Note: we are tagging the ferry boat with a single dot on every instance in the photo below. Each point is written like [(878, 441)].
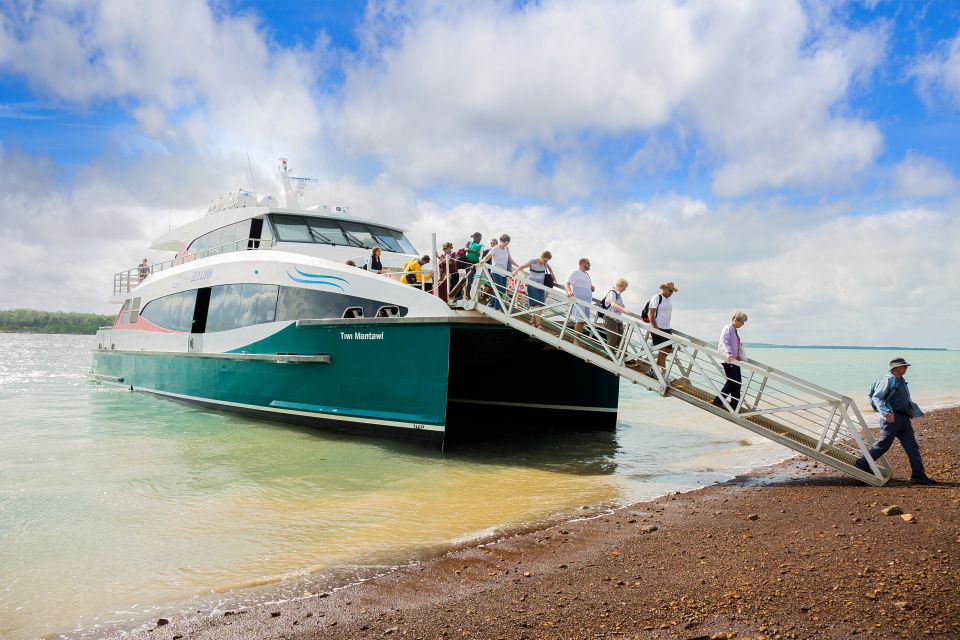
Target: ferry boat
[(258, 312)]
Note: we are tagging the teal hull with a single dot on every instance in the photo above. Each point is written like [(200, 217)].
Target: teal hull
[(395, 382)]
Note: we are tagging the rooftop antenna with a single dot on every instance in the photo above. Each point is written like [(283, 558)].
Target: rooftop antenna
[(293, 186), (250, 166)]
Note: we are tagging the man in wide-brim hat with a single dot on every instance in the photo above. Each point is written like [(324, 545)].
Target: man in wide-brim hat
[(891, 397)]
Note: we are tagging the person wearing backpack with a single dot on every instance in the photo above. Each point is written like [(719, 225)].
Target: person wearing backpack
[(658, 313), (612, 323), (448, 276), (890, 396), (470, 257), (413, 273)]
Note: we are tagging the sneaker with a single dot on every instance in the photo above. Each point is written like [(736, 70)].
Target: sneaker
[(717, 403), (922, 480), (862, 465)]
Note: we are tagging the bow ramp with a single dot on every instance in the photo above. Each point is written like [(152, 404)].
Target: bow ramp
[(797, 413)]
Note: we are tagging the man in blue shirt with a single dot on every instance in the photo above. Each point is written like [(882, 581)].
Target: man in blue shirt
[(891, 397)]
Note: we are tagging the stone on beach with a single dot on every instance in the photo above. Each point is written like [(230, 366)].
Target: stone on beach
[(892, 510)]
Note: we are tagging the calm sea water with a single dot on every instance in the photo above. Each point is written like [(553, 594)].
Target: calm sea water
[(119, 507)]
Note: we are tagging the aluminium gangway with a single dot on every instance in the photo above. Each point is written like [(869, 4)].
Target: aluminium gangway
[(797, 413)]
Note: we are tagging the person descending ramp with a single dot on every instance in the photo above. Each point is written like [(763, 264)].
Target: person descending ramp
[(797, 413)]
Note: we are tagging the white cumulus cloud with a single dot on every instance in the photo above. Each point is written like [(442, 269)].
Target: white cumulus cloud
[(187, 74), (483, 93), (938, 74), (922, 176)]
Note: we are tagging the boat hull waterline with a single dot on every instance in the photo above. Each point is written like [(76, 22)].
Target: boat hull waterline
[(395, 378)]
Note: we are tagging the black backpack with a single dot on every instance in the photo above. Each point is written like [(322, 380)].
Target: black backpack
[(603, 303), (645, 314)]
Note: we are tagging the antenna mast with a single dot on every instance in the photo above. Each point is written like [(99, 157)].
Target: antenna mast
[(250, 166)]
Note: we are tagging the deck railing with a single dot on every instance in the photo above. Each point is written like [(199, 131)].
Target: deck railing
[(125, 281)]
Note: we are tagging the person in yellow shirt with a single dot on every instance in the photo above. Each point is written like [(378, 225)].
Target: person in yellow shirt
[(413, 273)]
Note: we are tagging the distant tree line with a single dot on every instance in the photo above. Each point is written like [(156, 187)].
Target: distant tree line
[(32, 321)]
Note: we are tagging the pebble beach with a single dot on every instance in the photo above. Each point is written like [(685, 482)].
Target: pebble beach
[(796, 550)]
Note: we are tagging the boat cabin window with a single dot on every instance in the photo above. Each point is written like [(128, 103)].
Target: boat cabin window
[(174, 312), (241, 305), (134, 310), (291, 228), (233, 306), (230, 235), (265, 233), (328, 232), (359, 234), (347, 233), (392, 240)]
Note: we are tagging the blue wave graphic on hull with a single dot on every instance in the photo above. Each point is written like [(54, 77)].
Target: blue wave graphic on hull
[(318, 278)]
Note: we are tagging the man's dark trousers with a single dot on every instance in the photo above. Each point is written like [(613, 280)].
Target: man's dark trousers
[(901, 429)]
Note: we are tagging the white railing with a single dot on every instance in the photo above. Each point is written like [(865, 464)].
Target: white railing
[(125, 281), (429, 280), (793, 411)]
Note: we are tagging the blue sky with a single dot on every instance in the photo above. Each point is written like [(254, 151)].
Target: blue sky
[(764, 141)]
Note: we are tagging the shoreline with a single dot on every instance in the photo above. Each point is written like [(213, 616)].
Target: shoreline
[(789, 550)]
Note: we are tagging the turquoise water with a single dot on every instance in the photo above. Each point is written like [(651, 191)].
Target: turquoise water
[(118, 507)]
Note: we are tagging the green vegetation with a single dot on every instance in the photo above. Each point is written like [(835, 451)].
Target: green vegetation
[(32, 321)]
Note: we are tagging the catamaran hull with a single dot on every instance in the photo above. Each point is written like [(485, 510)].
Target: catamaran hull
[(417, 380)]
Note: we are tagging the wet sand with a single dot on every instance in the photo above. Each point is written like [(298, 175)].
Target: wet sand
[(792, 551)]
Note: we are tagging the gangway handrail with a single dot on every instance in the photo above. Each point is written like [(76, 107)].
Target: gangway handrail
[(801, 414), (768, 368)]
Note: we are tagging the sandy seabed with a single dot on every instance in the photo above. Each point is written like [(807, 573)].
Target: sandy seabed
[(796, 550)]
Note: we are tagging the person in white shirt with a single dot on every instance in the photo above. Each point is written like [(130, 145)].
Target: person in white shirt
[(580, 286), (499, 256), (661, 310)]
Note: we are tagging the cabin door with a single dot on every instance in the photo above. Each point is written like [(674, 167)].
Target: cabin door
[(199, 326)]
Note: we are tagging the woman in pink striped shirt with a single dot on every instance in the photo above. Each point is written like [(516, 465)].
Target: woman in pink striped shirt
[(731, 349)]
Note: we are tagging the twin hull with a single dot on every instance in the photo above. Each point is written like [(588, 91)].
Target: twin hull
[(411, 377)]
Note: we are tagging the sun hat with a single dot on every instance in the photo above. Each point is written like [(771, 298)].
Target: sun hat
[(670, 286), (898, 362)]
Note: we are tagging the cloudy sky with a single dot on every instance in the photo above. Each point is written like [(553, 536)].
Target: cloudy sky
[(798, 160)]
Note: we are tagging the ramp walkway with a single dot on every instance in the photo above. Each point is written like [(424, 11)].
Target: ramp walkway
[(799, 414)]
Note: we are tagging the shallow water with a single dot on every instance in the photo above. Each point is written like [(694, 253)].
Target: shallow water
[(116, 506)]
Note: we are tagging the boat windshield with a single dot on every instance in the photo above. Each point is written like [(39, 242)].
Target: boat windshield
[(292, 228)]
